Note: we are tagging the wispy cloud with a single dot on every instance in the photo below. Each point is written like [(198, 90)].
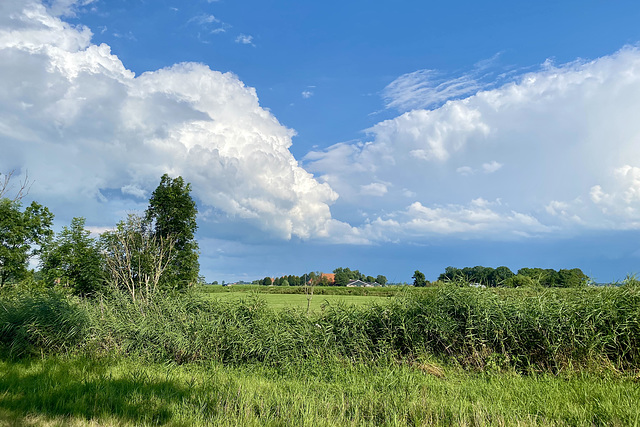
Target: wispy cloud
[(203, 19), (245, 39), (429, 88), (306, 94), (67, 7), (127, 36), (207, 22)]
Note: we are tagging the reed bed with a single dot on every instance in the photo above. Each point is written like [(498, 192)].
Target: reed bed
[(547, 330)]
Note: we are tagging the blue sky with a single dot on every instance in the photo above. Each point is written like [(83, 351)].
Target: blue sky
[(385, 137)]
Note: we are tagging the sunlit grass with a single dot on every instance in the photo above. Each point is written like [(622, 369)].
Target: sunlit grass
[(299, 301), (68, 391)]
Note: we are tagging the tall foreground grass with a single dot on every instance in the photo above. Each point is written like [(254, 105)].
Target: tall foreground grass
[(546, 330)]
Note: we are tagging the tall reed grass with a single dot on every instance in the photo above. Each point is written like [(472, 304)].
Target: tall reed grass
[(546, 330), (38, 320)]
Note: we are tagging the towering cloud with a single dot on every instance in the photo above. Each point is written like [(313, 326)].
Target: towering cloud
[(91, 133)]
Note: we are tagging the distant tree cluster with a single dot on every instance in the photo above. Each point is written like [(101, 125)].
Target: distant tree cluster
[(340, 277), (503, 276), (290, 280), (345, 275), (23, 233)]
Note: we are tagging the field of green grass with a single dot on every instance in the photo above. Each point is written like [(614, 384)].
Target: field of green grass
[(62, 391), (297, 301), (444, 356)]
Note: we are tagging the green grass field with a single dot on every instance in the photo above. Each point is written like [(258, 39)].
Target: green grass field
[(299, 301), (58, 391)]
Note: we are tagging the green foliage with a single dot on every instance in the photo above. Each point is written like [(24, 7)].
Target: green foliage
[(172, 214), (631, 280), (20, 231), (73, 259), (266, 281), (419, 279), (382, 280), (519, 280), (503, 276), (343, 275), (556, 279), (341, 278)]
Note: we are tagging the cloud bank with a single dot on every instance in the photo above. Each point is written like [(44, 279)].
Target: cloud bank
[(555, 153), (96, 138)]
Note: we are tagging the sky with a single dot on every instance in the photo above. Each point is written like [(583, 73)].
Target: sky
[(386, 137)]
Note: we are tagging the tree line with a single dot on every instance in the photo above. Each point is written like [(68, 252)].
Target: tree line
[(143, 254), (341, 276), (504, 277)]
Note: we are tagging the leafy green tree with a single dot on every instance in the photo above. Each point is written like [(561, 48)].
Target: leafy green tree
[(267, 281), (382, 280), (419, 279), (21, 235), (172, 214), (499, 276), (294, 280), (74, 259), (341, 278), (450, 274)]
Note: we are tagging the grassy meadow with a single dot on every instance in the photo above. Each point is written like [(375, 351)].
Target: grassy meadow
[(444, 356), (295, 301)]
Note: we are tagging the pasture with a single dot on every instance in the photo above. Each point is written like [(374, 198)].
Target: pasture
[(296, 301)]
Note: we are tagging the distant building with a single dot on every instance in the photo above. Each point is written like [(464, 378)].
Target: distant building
[(359, 284), (329, 277)]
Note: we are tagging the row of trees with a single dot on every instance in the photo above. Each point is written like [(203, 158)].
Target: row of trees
[(503, 276), (341, 277), (142, 254)]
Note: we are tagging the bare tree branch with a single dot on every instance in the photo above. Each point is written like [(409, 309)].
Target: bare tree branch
[(5, 185), (136, 258)]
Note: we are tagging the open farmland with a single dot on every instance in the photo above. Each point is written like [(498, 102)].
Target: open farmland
[(294, 300)]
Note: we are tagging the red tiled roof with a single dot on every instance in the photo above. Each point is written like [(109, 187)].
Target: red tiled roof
[(331, 277)]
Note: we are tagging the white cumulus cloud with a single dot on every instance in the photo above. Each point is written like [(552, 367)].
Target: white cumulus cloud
[(96, 138), (559, 147)]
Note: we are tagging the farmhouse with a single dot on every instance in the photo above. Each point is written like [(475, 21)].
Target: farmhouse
[(359, 284), (331, 277)]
